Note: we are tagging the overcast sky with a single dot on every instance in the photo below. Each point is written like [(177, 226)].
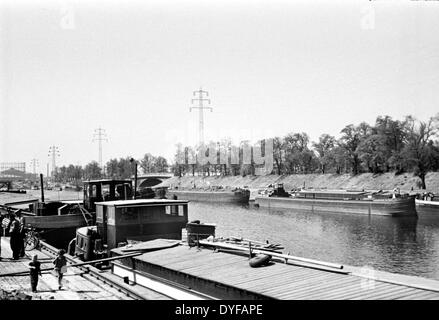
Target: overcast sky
[(270, 67)]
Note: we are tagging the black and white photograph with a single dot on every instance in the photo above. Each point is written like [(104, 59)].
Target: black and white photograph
[(230, 151)]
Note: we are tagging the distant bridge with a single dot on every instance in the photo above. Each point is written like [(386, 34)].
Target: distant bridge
[(151, 179)]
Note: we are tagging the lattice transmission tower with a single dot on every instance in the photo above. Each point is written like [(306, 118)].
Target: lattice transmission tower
[(201, 99), (99, 136), (53, 153)]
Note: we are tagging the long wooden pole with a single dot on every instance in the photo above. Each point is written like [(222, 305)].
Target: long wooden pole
[(42, 187), (274, 254), (265, 244), (248, 240), (77, 264)]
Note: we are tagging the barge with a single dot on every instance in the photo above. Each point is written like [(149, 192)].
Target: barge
[(427, 203), (209, 272), (342, 201), (428, 206), (240, 196)]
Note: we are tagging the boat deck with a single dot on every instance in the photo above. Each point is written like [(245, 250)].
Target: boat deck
[(229, 276)]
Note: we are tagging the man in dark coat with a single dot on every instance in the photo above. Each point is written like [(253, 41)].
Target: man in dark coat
[(20, 219), (15, 237)]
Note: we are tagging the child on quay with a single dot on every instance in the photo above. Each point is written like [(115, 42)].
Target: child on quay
[(60, 263), (35, 271)]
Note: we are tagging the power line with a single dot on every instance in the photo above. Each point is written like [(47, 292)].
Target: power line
[(201, 99), (100, 136)]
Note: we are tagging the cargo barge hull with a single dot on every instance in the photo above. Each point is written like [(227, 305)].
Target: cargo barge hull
[(211, 196), (383, 207)]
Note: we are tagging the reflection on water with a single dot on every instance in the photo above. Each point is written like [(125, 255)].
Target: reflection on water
[(402, 245)]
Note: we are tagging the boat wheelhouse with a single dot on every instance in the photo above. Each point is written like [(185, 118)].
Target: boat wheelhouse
[(106, 190)]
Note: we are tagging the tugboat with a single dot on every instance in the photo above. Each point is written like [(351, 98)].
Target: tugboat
[(56, 221), (122, 222)]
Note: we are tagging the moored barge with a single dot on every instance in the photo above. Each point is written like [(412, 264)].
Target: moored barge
[(235, 196), (207, 272), (428, 206), (342, 201)]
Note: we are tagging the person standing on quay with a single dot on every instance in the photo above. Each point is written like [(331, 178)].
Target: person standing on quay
[(35, 271), (5, 224), (3, 218), (22, 232), (15, 236), (60, 263)]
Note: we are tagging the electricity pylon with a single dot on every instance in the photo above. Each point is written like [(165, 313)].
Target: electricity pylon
[(53, 152), (201, 99), (100, 136)]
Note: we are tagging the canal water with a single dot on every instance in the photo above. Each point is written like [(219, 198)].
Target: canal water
[(402, 245)]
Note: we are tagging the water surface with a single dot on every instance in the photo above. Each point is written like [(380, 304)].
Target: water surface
[(402, 245)]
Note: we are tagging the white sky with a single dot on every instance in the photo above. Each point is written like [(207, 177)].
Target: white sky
[(68, 67)]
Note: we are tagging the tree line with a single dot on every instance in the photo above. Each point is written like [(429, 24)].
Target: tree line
[(122, 168), (388, 145)]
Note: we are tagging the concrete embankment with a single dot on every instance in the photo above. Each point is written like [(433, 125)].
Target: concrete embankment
[(385, 181)]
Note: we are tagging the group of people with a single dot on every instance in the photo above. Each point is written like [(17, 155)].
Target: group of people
[(17, 233), (60, 267)]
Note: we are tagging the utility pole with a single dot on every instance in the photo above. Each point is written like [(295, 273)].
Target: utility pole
[(53, 152), (135, 177), (100, 136), (200, 99)]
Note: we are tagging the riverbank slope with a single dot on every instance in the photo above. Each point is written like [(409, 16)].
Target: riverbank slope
[(385, 181)]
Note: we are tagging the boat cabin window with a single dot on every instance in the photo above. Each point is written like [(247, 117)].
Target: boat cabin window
[(121, 191), (111, 216), (105, 192), (176, 210), (80, 241), (93, 191), (99, 214)]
